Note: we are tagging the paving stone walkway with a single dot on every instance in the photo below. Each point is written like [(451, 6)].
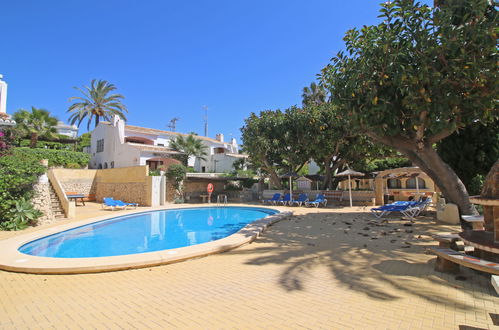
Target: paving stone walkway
[(328, 268)]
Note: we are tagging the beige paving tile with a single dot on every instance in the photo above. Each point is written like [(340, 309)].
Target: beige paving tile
[(302, 273)]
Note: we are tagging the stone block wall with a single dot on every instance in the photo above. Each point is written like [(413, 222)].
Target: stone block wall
[(195, 187), (41, 201), (80, 186), (131, 192), (170, 192), (129, 184), (199, 185)]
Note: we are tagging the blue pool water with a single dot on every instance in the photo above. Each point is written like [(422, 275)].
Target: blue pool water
[(146, 232)]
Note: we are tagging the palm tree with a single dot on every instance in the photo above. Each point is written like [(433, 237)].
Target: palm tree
[(36, 123), (189, 146), (313, 95), (96, 104)]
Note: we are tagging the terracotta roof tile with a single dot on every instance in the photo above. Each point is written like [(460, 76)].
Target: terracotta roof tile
[(161, 132), (147, 147)]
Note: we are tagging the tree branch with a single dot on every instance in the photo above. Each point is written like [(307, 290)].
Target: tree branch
[(440, 135), (397, 141)]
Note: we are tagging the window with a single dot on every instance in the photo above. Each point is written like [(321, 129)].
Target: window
[(105, 165), (100, 166), (411, 183), (203, 169), (100, 145), (394, 184), (112, 164), (154, 164), (139, 140), (219, 150), (160, 145)]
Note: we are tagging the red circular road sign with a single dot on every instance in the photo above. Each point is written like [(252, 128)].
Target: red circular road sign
[(210, 187)]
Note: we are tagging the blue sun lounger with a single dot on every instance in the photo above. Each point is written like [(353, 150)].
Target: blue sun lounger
[(384, 210), (273, 200), (302, 198), (286, 199), (116, 203), (319, 199), (408, 209)]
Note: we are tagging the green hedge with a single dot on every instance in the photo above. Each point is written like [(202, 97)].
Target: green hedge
[(48, 144), (18, 173), (19, 170), (55, 157), (382, 164)]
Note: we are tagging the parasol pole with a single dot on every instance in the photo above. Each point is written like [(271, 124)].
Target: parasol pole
[(417, 184), (350, 190)]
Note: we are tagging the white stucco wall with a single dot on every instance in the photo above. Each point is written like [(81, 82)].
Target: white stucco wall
[(115, 151), (123, 154), (3, 95)]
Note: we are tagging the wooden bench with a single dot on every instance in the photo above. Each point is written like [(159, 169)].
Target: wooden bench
[(445, 240), (86, 198), (475, 220), (449, 260)]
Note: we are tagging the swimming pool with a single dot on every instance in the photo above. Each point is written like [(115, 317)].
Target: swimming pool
[(146, 232)]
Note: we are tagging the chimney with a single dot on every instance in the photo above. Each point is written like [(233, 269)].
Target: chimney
[(219, 137), (3, 95), (120, 124)]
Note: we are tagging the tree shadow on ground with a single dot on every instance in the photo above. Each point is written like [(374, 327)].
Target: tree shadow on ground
[(380, 259)]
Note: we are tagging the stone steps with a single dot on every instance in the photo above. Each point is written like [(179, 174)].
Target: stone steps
[(55, 204)]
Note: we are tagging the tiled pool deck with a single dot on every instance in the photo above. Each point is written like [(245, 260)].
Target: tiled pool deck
[(323, 268)]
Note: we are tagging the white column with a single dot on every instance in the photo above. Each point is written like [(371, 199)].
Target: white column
[(3, 95)]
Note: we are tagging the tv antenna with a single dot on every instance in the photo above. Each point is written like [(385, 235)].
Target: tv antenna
[(173, 124), (205, 108)]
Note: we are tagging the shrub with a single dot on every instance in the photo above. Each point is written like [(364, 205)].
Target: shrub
[(155, 172), (18, 173), (248, 183), (55, 157), (233, 186), (72, 165), (22, 215), (176, 173), (476, 184), (382, 164), (4, 145)]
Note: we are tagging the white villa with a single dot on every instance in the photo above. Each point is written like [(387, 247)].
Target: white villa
[(5, 120), (68, 130), (118, 145)]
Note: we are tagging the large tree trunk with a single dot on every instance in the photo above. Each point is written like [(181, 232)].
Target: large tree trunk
[(275, 182), (426, 158), (328, 171), (444, 177), (34, 140), (274, 178)]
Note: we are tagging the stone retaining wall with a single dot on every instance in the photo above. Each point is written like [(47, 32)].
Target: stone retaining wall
[(80, 186), (129, 184), (41, 201), (131, 192)]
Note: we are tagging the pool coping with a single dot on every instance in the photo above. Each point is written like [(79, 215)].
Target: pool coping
[(13, 260)]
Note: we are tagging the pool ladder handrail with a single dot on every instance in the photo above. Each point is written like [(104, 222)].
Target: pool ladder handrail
[(224, 199)]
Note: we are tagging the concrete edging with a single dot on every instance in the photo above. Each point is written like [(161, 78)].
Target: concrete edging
[(13, 260)]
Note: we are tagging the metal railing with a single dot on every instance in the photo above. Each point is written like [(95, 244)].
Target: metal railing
[(222, 198)]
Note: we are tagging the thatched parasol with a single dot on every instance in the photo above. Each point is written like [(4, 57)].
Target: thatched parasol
[(290, 175), (350, 173)]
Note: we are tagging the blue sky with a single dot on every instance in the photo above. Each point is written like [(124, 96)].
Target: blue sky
[(169, 58)]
